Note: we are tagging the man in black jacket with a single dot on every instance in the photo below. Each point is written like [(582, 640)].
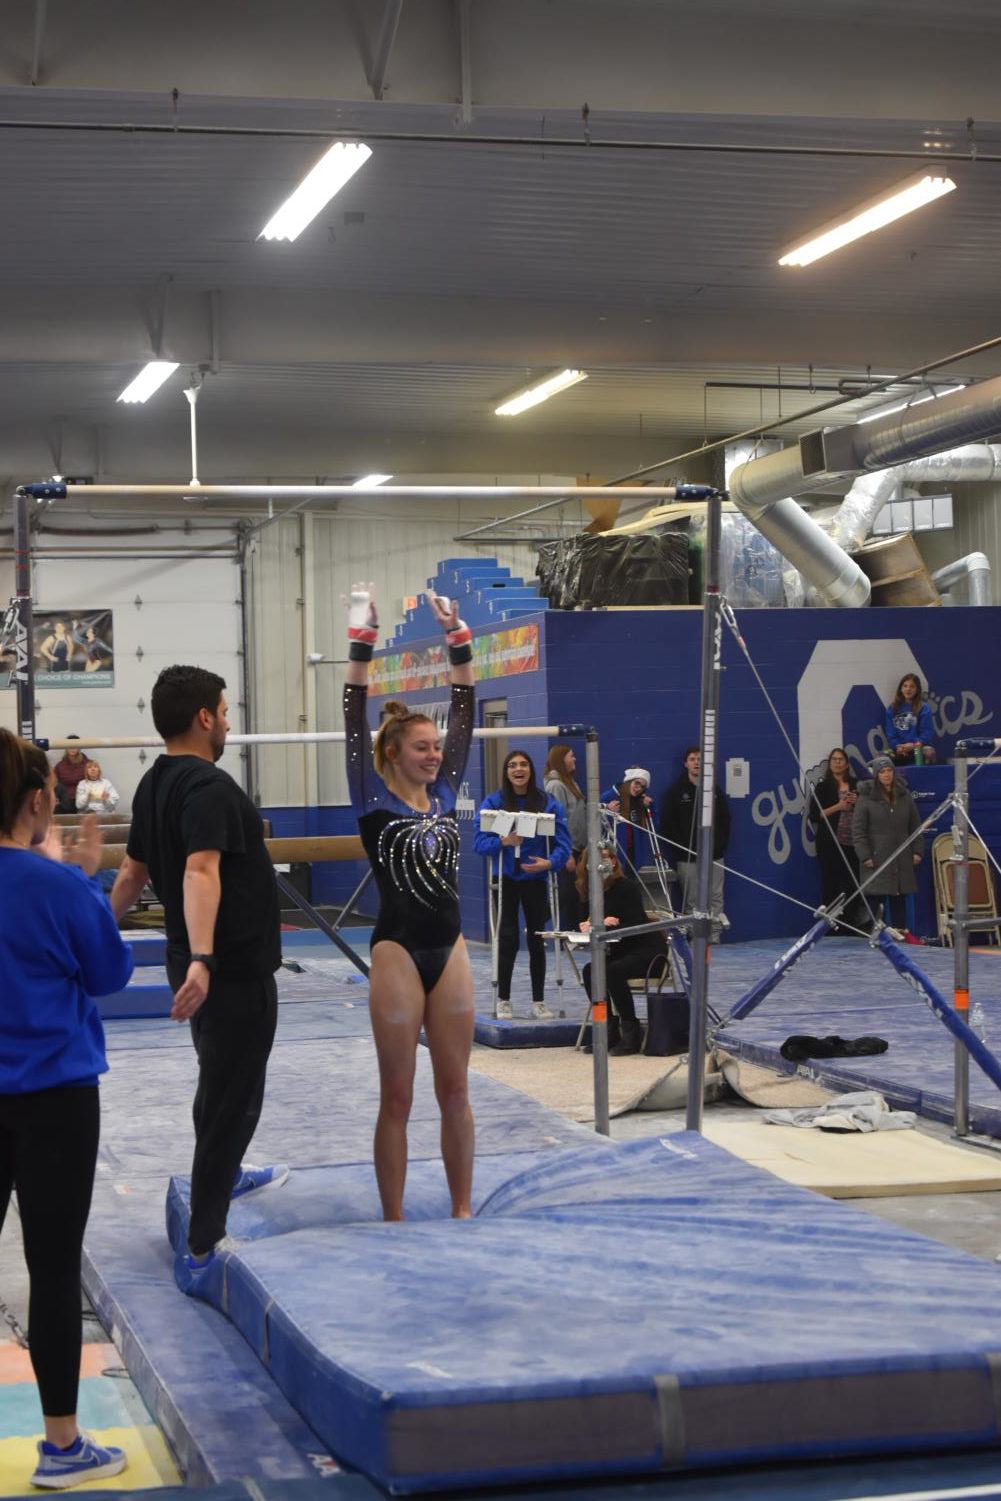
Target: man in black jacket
[(679, 825)]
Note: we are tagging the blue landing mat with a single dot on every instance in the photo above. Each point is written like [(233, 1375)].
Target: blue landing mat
[(844, 988), (658, 1305), (222, 1413), (148, 946)]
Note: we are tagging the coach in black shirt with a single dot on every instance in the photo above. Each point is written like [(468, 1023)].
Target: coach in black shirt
[(199, 839)]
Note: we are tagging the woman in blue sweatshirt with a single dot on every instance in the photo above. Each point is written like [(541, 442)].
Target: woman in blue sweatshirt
[(908, 724), (525, 863), (59, 947)]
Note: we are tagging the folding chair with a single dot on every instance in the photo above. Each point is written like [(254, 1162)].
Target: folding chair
[(982, 898)]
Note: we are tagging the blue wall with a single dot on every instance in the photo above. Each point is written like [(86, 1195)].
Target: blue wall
[(635, 676)]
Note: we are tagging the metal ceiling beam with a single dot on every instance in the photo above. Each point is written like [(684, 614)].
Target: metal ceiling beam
[(465, 62), (384, 47), (41, 9)]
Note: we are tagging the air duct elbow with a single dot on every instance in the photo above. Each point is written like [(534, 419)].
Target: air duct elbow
[(975, 570)]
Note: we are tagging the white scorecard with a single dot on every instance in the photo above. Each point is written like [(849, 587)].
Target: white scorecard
[(529, 825)]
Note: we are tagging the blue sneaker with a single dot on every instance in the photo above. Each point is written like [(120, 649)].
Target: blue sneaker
[(249, 1179), (84, 1460), (190, 1271)]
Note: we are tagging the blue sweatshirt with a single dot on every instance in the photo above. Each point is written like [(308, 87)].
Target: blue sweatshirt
[(559, 845), (904, 726), (59, 947)]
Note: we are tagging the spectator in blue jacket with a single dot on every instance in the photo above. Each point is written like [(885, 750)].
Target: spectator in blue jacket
[(59, 947), (908, 724), (523, 863)]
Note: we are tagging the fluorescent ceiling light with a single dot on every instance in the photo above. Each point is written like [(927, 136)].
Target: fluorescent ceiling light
[(149, 379), (369, 481), (542, 391), (873, 214), (336, 167), (912, 401)]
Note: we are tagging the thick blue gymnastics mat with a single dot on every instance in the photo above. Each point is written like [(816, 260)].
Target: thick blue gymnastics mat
[(656, 1305)]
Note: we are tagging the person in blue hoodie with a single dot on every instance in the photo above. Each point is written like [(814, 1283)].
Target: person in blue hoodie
[(910, 733), (525, 863), (59, 948)]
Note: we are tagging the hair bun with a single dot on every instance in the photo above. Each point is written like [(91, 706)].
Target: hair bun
[(395, 710)]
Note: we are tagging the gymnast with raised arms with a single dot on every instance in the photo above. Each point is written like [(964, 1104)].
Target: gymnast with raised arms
[(403, 789)]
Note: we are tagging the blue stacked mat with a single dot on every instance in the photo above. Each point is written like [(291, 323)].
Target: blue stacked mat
[(656, 1304)]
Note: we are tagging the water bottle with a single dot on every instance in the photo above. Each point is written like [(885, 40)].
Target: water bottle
[(978, 1020), (919, 755)]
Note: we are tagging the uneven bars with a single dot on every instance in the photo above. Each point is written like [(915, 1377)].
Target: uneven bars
[(291, 737), (56, 490)]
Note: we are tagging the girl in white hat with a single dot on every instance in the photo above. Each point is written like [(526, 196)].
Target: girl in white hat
[(630, 800)]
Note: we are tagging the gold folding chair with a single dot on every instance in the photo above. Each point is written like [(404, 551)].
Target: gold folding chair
[(984, 916)]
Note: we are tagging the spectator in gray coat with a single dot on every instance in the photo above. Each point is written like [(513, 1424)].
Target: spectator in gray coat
[(885, 818)]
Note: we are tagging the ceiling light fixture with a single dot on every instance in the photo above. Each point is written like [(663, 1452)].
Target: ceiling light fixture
[(902, 199), (149, 379), (369, 481), (336, 167), (912, 401), (541, 391)]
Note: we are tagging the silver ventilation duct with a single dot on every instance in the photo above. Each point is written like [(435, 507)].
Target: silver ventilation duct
[(763, 488), (975, 568), (853, 520)]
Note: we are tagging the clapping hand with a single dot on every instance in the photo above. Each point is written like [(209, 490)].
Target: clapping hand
[(85, 850)]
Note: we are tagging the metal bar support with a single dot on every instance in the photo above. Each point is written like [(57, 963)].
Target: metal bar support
[(321, 922), (961, 941), (596, 903), (712, 627)]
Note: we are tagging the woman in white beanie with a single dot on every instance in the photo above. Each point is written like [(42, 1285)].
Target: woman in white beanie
[(630, 800)]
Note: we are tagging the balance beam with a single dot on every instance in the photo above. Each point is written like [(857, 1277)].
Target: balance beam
[(308, 848)]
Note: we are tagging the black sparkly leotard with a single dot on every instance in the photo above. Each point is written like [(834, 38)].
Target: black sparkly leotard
[(414, 856)]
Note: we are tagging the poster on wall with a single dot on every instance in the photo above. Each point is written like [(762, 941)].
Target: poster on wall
[(74, 649)]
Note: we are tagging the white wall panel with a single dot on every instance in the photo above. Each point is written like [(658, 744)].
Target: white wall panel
[(165, 610), (277, 655)]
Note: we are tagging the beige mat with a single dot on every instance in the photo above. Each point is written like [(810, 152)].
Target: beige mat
[(764, 1087), (563, 1079), (853, 1165)]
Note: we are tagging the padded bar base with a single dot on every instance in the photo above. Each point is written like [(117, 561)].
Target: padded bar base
[(523, 1032), (658, 1305)]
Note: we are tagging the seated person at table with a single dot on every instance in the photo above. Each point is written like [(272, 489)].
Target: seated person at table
[(628, 958)]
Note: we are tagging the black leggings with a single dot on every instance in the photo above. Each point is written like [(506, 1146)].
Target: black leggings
[(534, 898), (619, 970), (48, 1153)]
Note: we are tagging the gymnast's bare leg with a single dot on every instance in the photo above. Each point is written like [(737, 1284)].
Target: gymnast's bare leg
[(398, 1008)]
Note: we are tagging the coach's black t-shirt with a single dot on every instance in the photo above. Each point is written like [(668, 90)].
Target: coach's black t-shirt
[(183, 805)]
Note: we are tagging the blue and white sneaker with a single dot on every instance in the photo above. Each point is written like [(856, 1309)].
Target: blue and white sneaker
[(58, 1469), (190, 1270), (249, 1179)]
